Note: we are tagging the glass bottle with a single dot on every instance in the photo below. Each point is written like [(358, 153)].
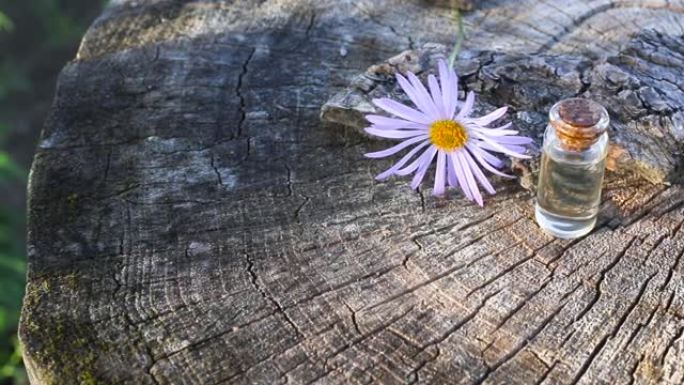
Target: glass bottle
[(572, 167)]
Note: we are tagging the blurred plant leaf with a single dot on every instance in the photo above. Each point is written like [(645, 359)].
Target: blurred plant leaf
[(62, 27), (13, 78), (12, 277), (9, 170), (6, 23), (12, 367)]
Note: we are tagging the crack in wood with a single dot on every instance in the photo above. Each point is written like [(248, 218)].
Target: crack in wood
[(254, 280), (414, 375), (352, 314), (520, 345), (576, 23), (599, 347), (506, 270), (677, 337), (361, 338), (597, 285), (238, 92)]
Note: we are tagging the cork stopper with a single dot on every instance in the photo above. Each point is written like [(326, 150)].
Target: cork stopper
[(579, 123)]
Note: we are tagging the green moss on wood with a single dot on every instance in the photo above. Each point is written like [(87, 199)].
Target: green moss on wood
[(61, 346), (87, 378)]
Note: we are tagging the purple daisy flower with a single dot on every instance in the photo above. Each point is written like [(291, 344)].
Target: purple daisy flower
[(461, 143)]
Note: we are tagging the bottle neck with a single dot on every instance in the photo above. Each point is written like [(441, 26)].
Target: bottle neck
[(574, 138), (555, 148), (579, 123)]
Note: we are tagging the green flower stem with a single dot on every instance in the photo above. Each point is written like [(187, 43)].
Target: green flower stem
[(460, 36)]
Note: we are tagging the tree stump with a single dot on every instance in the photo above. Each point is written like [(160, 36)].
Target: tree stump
[(192, 221)]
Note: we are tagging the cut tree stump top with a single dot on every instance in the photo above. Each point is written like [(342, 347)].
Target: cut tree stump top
[(193, 220)]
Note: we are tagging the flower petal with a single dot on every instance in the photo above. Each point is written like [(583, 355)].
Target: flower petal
[(510, 147), (478, 154), (384, 122), (393, 134), (413, 94), (499, 131), (423, 96), (449, 82), (461, 176), (393, 150), (479, 175), (436, 93), (451, 173), (491, 117), (491, 144), (424, 165), (514, 148), (474, 190), (514, 140), (440, 174), (467, 107), (390, 171), (402, 111), (496, 133), (491, 159), (415, 164)]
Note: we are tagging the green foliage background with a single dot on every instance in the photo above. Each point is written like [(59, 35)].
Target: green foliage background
[(37, 37)]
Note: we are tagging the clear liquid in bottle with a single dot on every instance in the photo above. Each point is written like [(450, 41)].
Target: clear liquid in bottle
[(572, 170), (569, 196)]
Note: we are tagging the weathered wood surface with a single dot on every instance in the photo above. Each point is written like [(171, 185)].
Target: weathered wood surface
[(193, 222), (639, 86)]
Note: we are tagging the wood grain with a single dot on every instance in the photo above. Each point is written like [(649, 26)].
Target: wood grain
[(192, 221)]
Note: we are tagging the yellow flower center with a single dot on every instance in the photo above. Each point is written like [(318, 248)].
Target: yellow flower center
[(448, 135)]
